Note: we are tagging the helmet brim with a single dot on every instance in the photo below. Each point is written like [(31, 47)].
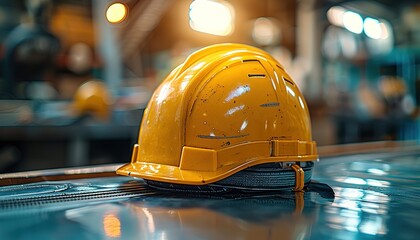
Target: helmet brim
[(174, 174)]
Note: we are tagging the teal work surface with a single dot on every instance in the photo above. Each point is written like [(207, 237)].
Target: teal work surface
[(376, 197)]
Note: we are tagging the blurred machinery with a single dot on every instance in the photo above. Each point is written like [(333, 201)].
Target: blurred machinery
[(30, 52)]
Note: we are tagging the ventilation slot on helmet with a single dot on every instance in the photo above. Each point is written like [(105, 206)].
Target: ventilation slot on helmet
[(256, 75), (250, 60), (287, 80), (280, 67)]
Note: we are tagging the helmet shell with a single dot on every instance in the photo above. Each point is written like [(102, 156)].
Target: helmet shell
[(226, 108)]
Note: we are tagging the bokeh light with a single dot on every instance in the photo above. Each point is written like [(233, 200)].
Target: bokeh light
[(116, 13), (353, 22), (372, 28), (212, 17)]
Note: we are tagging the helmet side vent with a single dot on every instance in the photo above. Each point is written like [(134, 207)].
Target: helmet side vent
[(250, 60), (287, 80), (280, 67), (256, 75)]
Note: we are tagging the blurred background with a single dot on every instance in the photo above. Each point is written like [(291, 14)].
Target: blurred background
[(75, 75)]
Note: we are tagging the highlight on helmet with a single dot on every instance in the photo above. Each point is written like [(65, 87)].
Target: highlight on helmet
[(229, 117)]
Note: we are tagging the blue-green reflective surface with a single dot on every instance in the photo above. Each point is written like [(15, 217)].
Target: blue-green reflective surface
[(376, 197)]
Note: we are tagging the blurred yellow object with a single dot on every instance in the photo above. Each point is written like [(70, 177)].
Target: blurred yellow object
[(92, 97), (226, 108), (392, 86), (116, 13)]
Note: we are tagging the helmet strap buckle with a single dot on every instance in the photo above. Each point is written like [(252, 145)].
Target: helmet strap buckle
[(299, 177)]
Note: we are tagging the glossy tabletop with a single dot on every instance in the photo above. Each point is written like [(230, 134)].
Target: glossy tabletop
[(376, 197)]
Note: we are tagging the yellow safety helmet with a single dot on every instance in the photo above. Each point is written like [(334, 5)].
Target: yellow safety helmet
[(92, 97), (229, 117)]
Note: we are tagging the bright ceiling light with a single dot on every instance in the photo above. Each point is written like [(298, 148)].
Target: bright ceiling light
[(385, 30), (335, 15), (372, 28), (353, 22), (116, 13), (380, 37), (376, 29), (213, 17)]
